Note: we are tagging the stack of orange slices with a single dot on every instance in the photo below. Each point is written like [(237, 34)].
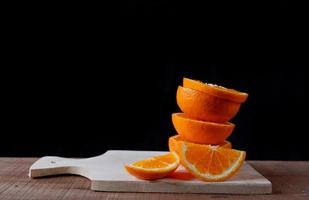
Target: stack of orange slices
[(203, 127)]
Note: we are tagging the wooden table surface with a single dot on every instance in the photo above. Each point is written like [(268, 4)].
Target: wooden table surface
[(290, 180)]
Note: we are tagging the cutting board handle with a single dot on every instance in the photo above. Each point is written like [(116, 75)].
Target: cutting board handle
[(53, 165)]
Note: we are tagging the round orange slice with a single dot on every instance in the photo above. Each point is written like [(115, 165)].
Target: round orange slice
[(155, 167), (215, 90), (201, 132), (211, 163)]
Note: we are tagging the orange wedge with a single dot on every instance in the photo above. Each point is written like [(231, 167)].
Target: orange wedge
[(155, 167), (210, 163)]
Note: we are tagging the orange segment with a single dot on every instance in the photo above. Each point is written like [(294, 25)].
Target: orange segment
[(201, 132), (211, 163), (155, 167), (206, 107), (215, 90)]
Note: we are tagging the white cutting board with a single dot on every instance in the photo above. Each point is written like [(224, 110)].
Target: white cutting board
[(107, 173)]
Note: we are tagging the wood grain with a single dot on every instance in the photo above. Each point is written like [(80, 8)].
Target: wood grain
[(290, 181)]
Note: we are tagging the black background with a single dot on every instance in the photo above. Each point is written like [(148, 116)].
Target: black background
[(83, 113), (86, 79)]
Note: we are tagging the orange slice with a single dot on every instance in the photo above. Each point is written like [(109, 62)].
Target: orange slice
[(211, 163), (155, 167), (201, 132), (215, 90)]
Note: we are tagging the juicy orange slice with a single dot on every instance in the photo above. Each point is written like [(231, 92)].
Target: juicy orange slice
[(155, 167), (211, 163), (215, 90)]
